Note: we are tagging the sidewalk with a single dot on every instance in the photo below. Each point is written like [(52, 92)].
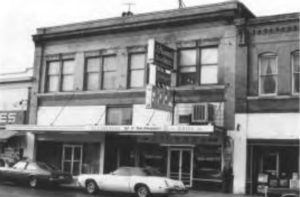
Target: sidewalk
[(194, 193), (191, 193)]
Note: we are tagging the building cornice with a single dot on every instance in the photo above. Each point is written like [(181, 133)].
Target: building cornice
[(222, 11)]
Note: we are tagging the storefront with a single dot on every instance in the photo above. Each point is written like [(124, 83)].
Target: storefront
[(12, 143), (273, 164), (196, 159), (72, 149)]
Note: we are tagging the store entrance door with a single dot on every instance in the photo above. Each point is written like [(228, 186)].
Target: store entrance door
[(72, 159), (180, 165)]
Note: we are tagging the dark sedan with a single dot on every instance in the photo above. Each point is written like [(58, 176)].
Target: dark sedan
[(34, 174)]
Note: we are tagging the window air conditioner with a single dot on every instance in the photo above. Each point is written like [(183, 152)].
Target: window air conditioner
[(203, 113)]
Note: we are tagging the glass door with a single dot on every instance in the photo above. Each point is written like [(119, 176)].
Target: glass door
[(72, 159), (180, 165)]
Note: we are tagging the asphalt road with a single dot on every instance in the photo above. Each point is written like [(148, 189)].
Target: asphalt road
[(9, 190)]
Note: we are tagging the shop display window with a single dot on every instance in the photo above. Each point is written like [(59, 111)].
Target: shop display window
[(279, 165), (207, 162), (154, 156)]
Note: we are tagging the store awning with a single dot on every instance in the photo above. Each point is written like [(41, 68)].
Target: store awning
[(6, 134), (172, 129)]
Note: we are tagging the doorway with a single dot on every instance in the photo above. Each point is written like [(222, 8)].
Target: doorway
[(180, 165), (72, 159)]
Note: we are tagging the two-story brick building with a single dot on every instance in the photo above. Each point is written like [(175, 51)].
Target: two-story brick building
[(89, 111), (267, 106)]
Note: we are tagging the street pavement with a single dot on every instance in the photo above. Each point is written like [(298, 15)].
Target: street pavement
[(9, 190)]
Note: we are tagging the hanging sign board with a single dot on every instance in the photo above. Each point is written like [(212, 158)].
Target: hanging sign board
[(160, 55), (159, 98)]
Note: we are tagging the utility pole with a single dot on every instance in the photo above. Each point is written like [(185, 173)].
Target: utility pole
[(181, 4)]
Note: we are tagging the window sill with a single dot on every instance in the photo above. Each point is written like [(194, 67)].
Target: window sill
[(90, 92), (201, 87), (277, 97)]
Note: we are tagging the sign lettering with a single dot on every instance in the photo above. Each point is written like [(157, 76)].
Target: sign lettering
[(11, 117), (160, 55)]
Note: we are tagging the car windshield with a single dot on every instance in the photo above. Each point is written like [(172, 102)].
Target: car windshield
[(46, 166), (151, 171)]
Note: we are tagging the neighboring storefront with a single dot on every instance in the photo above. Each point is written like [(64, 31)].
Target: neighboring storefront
[(272, 163), (14, 98)]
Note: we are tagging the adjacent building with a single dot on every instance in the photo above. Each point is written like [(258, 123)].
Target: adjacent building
[(15, 91), (267, 108), (191, 92)]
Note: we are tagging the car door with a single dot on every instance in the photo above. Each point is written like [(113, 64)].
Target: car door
[(117, 181), (17, 173)]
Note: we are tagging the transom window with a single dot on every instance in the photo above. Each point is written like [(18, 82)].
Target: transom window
[(296, 72), (101, 73), (60, 75), (119, 116), (198, 66), (268, 74), (137, 62)]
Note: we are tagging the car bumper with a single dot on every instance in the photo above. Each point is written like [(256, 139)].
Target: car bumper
[(61, 180), (177, 190)]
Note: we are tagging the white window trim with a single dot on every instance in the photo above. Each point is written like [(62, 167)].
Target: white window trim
[(293, 73), (259, 75)]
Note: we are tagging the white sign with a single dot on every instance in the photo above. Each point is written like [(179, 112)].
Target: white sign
[(115, 128)]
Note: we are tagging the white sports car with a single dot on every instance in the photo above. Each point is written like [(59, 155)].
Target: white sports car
[(142, 181)]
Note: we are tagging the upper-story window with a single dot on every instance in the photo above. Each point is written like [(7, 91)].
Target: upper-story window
[(119, 116), (198, 66), (268, 74), (296, 72), (136, 74), (60, 75), (101, 73), (109, 72)]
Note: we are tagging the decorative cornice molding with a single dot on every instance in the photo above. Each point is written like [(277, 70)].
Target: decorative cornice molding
[(276, 29)]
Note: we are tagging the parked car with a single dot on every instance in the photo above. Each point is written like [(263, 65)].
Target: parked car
[(34, 174), (4, 163), (142, 181)]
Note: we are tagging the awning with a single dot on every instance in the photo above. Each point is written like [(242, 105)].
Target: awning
[(129, 129), (6, 134)]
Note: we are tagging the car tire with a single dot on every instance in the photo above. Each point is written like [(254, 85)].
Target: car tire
[(91, 187), (33, 182), (142, 191)]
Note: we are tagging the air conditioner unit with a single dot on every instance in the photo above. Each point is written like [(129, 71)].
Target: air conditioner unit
[(203, 113)]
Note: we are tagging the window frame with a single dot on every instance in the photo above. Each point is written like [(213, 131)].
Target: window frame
[(60, 59), (117, 107), (86, 73), (198, 64), (129, 69), (272, 54), (293, 72), (101, 70)]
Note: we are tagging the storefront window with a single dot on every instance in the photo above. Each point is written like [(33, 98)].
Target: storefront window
[(207, 162), (91, 157), (275, 167), (154, 156)]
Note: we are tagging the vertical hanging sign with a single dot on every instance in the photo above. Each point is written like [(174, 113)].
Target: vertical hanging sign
[(160, 60)]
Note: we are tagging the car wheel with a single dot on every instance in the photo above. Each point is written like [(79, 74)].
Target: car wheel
[(33, 182), (91, 187), (142, 191)]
